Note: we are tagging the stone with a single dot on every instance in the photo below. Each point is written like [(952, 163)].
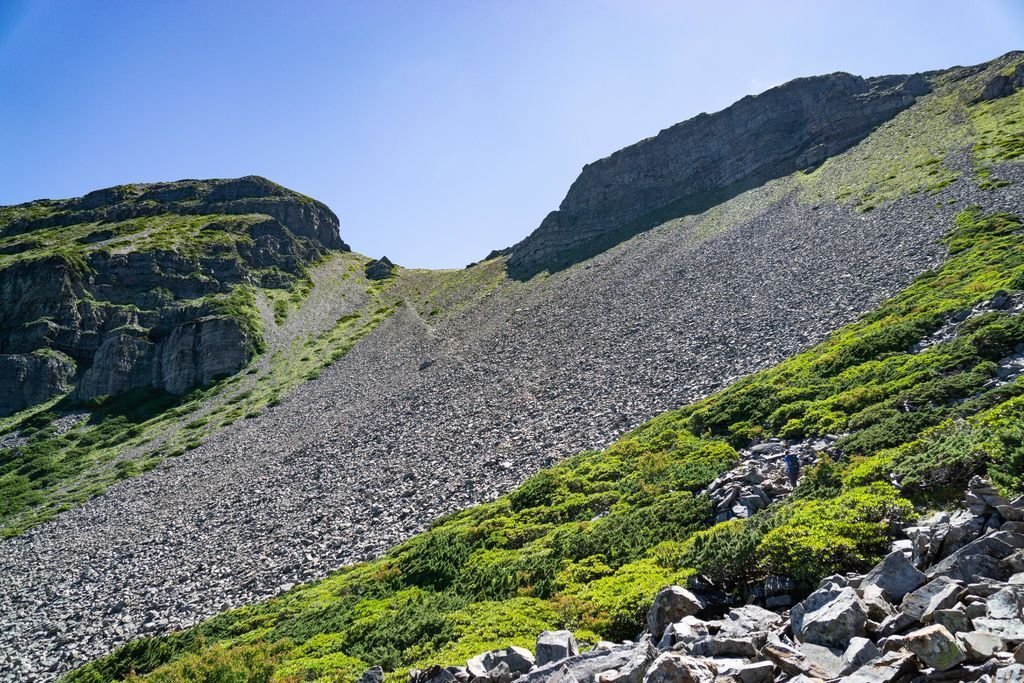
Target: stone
[(374, 674), (604, 659), (1010, 630), (685, 631), (379, 269), (824, 659), (939, 593), (953, 620), (554, 646), (979, 646), (634, 669), (896, 576), (746, 620), (836, 622), (820, 597), (755, 672), (936, 647), (789, 659), (859, 652), (1014, 673), (717, 646), (876, 605), (673, 667), (519, 660), (890, 667), (670, 606)]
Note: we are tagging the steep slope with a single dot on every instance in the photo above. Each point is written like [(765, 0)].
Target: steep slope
[(474, 382)]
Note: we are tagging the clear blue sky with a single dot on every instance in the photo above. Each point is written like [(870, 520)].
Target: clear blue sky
[(436, 130)]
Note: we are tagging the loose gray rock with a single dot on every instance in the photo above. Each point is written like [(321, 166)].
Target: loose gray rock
[(670, 606), (554, 646)]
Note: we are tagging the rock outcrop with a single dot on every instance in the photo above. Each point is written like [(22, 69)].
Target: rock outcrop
[(134, 286), (695, 164)]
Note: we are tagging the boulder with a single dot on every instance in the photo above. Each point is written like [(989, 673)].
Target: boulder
[(892, 666), (554, 646), (876, 605), (954, 620), (836, 622), (746, 620), (673, 667), (938, 593), (979, 646), (936, 647), (685, 631), (374, 674), (519, 660), (379, 269), (896, 576), (635, 667), (857, 654), (585, 667), (755, 672), (1014, 673), (670, 606), (790, 660)]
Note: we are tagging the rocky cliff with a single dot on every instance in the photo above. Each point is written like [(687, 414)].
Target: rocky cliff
[(698, 163), (142, 286)]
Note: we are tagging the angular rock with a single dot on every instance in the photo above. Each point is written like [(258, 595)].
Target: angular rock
[(635, 667), (954, 620), (896, 576), (379, 269), (755, 672), (936, 647), (670, 606), (672, 667), (980, 646), (685, 631), (857, 654), (554, 646), (938, 593), (789, 659), (374, 674), (888, 668), (836, 622)]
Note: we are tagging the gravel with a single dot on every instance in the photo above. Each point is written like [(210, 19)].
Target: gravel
[(384, 442)]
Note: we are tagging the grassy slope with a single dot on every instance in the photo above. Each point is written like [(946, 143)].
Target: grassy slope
[(587, 543)]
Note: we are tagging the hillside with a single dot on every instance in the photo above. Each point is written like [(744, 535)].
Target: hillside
[(374, 407)]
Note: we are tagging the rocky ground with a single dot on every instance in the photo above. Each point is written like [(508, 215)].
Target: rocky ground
[(427, 416), (945, 605)]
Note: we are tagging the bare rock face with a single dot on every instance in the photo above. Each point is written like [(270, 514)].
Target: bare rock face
[(125, 288), (697, 163), (31, 378)]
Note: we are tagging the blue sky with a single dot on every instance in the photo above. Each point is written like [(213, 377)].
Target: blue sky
[(436, 130)]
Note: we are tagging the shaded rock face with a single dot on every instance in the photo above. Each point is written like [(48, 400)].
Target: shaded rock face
[(108, 316), (697, 163), (32, 378), (379, 269)]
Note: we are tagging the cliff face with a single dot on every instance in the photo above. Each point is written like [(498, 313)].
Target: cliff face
[(697, 163), (146, 285)]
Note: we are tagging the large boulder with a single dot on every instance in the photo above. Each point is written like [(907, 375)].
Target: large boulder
[(836, 622), (674, 667), (859, 652), (671, 605), (936, 647), (554, 646), (379, 269), (896, 576)]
